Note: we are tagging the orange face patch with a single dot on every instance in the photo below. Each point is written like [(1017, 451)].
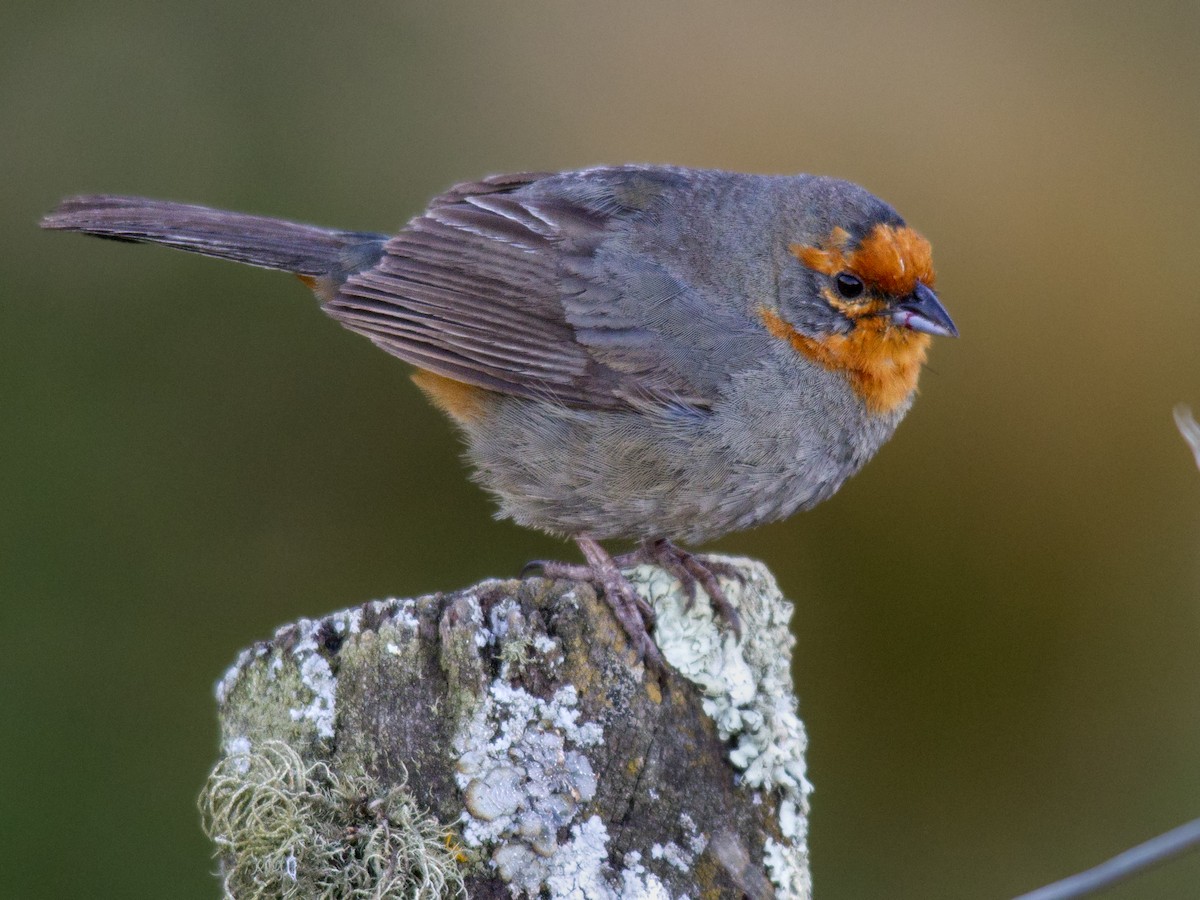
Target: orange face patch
[(881, 361), (889, 260)]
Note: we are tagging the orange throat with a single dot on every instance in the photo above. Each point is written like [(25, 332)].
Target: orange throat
[(881, 361)]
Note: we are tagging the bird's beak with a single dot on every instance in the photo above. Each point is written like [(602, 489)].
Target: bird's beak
[(923, 311)]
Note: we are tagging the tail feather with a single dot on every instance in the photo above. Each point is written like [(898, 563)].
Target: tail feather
[(255, 240)]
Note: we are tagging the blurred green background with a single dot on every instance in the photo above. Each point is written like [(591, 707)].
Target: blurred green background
[(998, 621)]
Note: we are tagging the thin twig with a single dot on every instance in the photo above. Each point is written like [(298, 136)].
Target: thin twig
[(1155, 850), (1121, 866), (1189, 428)]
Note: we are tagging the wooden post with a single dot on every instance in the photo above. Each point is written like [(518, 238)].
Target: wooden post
[(504, 740)]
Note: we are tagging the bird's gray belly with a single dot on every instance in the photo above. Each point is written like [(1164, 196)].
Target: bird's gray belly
[(682, 474)]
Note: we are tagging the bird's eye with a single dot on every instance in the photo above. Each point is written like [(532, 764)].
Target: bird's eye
[(849, 286)]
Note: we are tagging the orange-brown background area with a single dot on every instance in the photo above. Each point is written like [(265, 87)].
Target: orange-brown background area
[(998, 621)]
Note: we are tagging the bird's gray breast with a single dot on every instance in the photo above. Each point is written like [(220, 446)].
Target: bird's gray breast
[(784, 435)]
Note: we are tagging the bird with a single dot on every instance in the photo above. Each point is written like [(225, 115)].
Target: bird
[(648, 353)]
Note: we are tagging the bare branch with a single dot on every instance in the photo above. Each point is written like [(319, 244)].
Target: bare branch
[(1189, 428), (1121, 866)]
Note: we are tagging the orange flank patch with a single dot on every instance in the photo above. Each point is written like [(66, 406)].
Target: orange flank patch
[(462, 402), (881, 361), (889, 260), (322, 286)]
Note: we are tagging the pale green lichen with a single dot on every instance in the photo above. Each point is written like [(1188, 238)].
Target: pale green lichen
[(285, 828), (790, 879), (290, 684), (578, 871), (286, 688), (524, 777), (748, 693)]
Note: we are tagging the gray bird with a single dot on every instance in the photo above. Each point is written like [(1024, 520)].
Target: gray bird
[(640, 352)]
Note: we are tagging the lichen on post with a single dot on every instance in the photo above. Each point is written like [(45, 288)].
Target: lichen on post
[(504, 741)]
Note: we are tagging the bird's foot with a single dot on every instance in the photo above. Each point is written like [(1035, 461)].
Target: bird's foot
[(692, 569), (632, 611)]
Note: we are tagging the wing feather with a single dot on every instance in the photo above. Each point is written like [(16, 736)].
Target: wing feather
[(497, 285)]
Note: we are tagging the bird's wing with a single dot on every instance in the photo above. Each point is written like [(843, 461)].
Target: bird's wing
[(515, 284)]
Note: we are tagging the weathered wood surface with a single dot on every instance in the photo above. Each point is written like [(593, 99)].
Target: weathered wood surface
[(504, 740)]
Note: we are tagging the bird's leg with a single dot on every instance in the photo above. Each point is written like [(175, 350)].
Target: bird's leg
[(691, 570), (604, 571), (633, 612)]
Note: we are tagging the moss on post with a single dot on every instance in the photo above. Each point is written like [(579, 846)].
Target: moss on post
[(505, 741)]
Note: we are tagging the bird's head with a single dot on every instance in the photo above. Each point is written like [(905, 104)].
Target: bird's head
[(860, 300)]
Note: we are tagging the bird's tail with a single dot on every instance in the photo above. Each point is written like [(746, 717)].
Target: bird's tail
[(305, 250)]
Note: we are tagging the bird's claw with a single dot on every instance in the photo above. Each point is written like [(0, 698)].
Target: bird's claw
[(601, 570), (631, 609), (691, 570)]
